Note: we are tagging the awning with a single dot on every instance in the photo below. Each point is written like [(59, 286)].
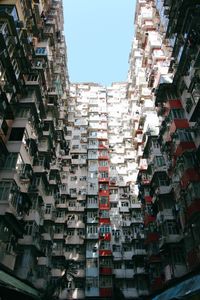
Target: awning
[(182, 290), (13, 283)]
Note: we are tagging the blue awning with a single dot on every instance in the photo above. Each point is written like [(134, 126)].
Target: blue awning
[(182, 290)]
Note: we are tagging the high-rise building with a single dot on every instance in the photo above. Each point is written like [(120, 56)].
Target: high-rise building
[(99, 186), (164, 72)]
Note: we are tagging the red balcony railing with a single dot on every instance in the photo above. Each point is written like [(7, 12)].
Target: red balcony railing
[(105, 252), (190, 175), (193, 258), (105, 236), (152, 237), (154, 259), (157, 283), (148, 199), (174, 104), (105, 271), (181, 147), (193, 208), (106, 292), (149, 219), (104, 220), (177, 124)]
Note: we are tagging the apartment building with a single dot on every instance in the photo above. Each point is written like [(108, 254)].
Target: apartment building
[(33, 95), (99, 186), (164, 73)]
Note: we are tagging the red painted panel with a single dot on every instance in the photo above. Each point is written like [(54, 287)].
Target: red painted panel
[(105, 236), (105, 157), (104, 169), (148, 219), (193, 208), (176, 103), (105, 252), (188, 176), (183, 146), (105, 292), (104, 179), (178, 123), (104, 220), (103, 192), (105, 271), (152, 237), (148, 199), (193, 258), (104, 206), (157, 284), (154, 259)]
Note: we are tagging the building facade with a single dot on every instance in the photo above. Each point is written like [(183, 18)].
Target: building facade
[(164, 64), (99, 186)]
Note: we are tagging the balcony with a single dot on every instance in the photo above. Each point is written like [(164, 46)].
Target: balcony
[(92, 236), (189, 175), (31, 241), (169, 239), (163, 189), (151, 237), (178, 124), (76, 208), (75, 239), (74, 255), (43, 261), (75, 224), (149, 219), (7, 258), (165, 215), (106, 292), (105, 270), (105, 252), (194, 208)]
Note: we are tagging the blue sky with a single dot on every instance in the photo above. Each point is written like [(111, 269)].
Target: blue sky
[(98, 35)]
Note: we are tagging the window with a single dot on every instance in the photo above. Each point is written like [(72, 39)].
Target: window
[(172, 228), (104, 213), (184, 136), (91, 282), (176, 114), (196, 92), (60, 214), (92, 229), (106, 262), (41, 51), (113, 191), (105, 245), (117, 265), (103, 200), (103, 163), (29, 228), (105, 229), (5, 189), (16, 134), (103, 186), (75, 147), (178, 256), (103, 153), (48, 209), (92, 200), (103, 174), (10, 161), (124, 204), (160, 161), (91, 263), (106, 282)]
